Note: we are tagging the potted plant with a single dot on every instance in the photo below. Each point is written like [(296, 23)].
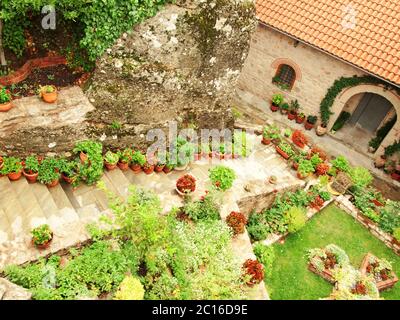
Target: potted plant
[(48, 93), (125, 158), (86, 148), (5, 100), (205, 150), (184, 153), (68, 170), (137, 161), (299, 139), (237, 221), (222, 177), (49, 172), (310, 123), (186, 185), (111, 160), (295, 161), (31, 168), (277, 100), (305, 169), (148, 168), (160, 163), (270, 133), (285, 150), (12, 167), (293, 109), (321, 128), (300, 117), (42, 236), (221, 151), (284, 108)]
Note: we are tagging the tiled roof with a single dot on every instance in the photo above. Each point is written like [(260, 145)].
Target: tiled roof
[(365, 33)]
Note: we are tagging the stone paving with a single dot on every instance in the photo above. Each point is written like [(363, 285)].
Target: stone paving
[(24, 206), (259, 112)]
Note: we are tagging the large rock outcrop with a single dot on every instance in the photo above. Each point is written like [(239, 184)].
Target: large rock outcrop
[(182, 65)]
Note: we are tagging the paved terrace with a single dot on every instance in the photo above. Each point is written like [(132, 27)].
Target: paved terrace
[(24, 206)]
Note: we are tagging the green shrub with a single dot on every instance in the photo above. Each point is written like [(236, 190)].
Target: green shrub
[(11, 165), (48, 171), (341, 163), (360, 176), (296, 219), (390, 217), (92, 170), (257, 227), (205, 209), (341, 120), (222, 177), (396, 233), (305, 167), (266, 255), (31, 164)]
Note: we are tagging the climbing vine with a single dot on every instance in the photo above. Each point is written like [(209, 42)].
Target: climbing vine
[(338, 86), (102, 21)]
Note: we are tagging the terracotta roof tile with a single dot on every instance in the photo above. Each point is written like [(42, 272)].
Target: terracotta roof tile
[(372, 42)]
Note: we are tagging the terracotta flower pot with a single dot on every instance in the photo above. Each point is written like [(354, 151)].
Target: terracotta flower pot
[(50, 97), (43, 246), (167, 169), (283, 154), (291, 116), (274, 108), (395, 176), (53, 183), (110, 166), (197, 156), (295, 165), (148, 169), (300, 176), (220, 156), (159, 168), (321, 130), (299, 120), (308, 125), (136, 167), (31, 177), (266, 141), (4, 107), (67, 179), (123, 165), (14, 176)]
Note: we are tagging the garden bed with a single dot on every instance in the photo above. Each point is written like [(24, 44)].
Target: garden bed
[(291, 278)]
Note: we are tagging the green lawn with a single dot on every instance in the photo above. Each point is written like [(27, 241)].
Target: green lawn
[(291, 279)]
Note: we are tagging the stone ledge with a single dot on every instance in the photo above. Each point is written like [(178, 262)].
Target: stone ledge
[(10, 291)]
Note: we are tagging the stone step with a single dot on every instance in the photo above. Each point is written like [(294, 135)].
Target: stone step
[(5, 227), (12, 208), (32, 211), (48, 205), (66, 210), (119, 181)]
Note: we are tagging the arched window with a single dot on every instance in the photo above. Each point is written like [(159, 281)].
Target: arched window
[(285, 77)]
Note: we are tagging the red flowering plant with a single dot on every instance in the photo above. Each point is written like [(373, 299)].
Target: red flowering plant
[(186, 184), (254, 270), (322, 169), (237, 221), (299, 138), (321, 153)]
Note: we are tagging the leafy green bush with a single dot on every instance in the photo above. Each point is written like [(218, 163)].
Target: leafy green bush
[(205, 209), (92, 170), (222, 177), (305, 167), (11, 165), (390, 217), (257, 227), (31, 164), (341, 163), (48, 171), (296, 219), (360, 176), (5, 96), (266, 255)]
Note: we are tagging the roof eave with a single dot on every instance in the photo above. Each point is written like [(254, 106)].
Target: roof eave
[(328, 53)]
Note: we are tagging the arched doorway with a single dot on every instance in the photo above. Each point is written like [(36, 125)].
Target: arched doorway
[(370, 107)]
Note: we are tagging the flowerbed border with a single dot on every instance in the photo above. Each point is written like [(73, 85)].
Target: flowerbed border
[(38, 63), (347, 206)]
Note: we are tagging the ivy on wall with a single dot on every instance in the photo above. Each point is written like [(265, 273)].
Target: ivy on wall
[(339, 85), (102, 21)]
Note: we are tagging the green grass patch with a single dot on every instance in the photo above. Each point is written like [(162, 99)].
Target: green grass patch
[(291, 280)]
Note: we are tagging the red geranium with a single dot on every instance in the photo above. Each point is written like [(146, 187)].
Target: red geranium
[(255, 270), (186, 183), (237, 221)]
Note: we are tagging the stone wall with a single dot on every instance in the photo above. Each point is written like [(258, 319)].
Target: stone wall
[(317, 70)]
